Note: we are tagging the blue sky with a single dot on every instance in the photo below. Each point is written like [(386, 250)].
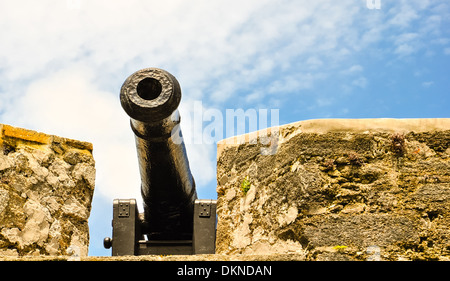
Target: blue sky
[(62, 64)]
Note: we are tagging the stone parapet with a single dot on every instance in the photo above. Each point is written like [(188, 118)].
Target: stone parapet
[(46, 188), (337, 189)]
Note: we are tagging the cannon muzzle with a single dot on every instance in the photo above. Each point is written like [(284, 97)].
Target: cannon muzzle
[(151, 97)]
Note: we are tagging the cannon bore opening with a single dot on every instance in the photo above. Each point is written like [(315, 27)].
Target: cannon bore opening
[(149, 88)]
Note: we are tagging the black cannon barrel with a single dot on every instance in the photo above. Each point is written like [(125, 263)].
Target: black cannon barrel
[(151, 97)]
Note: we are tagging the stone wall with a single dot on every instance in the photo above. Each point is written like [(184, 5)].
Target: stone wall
[(365, 189), (46, 188)]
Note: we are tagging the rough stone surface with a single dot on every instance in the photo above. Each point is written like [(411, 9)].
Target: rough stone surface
[(46, 188), (209, 257), (364, 189)]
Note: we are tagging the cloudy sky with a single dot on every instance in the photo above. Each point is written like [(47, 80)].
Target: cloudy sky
[(62, 63)]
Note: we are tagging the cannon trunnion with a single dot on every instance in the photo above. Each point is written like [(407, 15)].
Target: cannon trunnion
[(174, 221)]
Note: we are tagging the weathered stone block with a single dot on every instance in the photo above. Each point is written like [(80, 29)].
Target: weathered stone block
[(46, 188), (337, 189)]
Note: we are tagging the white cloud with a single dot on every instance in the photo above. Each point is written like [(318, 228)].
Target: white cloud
[(294, 84), (431, 25), (255, 97), (360, 82), (404, 13), (215, 48), (404, 50), (314, 62), (427, 84), (323, 102), (353, 69), (406, 38), (407, 44), (354, 73)]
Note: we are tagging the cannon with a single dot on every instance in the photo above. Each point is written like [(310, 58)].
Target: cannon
[(174, 221)]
